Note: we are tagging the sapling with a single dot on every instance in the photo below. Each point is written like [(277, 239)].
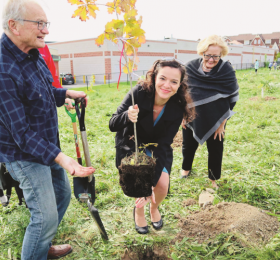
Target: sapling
[(127, 31)]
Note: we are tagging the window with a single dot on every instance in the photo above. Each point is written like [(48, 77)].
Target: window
[(255, 41), (268, 41), (247, 42)]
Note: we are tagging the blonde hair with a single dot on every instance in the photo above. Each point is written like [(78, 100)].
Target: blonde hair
[(212, 40)]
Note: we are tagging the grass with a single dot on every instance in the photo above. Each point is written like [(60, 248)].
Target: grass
[(250, 175)]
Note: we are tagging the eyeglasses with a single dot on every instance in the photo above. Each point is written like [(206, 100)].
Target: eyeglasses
[(208, 57), (41, 25)]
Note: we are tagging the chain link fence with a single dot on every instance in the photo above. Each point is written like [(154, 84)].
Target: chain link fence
[(99, 79)]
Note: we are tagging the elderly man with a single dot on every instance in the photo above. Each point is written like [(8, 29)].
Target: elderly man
[(29, 143)]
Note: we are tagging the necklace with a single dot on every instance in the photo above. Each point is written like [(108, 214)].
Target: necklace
[(206, 68)]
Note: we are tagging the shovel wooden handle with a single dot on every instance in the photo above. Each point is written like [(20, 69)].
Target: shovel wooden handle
[(86, 152)]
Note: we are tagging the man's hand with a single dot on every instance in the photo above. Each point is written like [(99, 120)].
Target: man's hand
[(133, 113), (72, 166), (76, 94)]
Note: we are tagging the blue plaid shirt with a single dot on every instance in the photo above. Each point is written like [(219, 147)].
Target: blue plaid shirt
[(28, 116)]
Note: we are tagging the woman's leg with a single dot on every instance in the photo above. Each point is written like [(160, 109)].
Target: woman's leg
[(215, 156), (160, 191), (189, 148)]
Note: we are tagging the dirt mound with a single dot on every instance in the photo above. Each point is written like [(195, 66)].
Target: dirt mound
[(140, 253), (269, 98), (178, 139), (253, 224), (189, 202)]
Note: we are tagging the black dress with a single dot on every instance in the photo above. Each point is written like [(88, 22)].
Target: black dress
[(162, 133)]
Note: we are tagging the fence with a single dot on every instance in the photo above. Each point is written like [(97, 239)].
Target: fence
[(97, 79)]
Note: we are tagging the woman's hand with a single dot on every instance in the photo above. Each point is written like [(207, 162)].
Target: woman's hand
[(141, 202), (69, 105), (183, 124), (220, 131), (133, 113)]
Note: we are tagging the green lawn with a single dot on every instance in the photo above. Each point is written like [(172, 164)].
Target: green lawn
[(250, 175)]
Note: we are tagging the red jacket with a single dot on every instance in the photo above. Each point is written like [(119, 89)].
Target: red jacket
[(45, 52)]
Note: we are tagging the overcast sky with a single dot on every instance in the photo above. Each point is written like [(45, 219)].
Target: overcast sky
[(182, 19)]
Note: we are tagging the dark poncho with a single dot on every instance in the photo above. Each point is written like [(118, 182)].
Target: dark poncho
[(212, 94)]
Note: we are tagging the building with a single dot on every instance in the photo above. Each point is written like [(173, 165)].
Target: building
[(85, 58), (56, 58), (270, 40)]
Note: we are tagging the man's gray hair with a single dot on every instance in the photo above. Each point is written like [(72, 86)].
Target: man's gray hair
[(14, 9)]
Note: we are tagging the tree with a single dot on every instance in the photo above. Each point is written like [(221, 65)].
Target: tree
[(127, 30)]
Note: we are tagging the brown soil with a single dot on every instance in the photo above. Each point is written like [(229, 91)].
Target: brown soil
[(137, 180), (189, 202), (251, 223), (156, 253), (267, 98), (178, 139)]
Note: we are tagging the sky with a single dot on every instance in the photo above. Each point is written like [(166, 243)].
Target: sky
[(181, 19)]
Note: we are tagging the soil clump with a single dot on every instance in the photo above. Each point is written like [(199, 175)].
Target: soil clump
[(267, 98), (156, 253), (189, 202), (136, 180), (252, 224)]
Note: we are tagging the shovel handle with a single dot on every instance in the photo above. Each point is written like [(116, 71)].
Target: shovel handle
[(81, 117)]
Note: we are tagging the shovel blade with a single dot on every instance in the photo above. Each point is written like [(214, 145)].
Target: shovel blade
[(95, 214)]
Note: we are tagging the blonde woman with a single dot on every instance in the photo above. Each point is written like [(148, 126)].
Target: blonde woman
[(214, 91)]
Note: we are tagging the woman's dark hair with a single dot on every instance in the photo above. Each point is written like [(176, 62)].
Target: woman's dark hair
[(183, 93)]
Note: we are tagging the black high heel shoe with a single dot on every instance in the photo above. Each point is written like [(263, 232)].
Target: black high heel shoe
[(140, 230), (156, 225)]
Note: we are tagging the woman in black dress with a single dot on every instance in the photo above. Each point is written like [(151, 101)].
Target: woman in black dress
[(214, 90), (161, 100)]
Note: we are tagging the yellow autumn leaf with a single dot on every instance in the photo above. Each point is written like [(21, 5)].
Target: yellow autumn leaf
[(91, 9), (136, 58), (142, 39), (100, 39), (111, 7), (125, 70), (130, 65), (137, 32), (125, 5), (118, 10), (129, 50), (132, 13), (140, 20), (81, 12), (76, 2), (109, 27)]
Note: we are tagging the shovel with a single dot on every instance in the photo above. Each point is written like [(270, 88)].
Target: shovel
[(90, 196), (80, 184)]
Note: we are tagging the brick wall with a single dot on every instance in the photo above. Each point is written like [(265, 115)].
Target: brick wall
[(108, 68)]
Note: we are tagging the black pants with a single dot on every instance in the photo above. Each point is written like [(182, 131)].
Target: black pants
[(215, 153)]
